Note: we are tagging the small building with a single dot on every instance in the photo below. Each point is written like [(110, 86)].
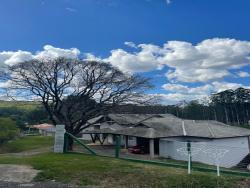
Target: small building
[(45, 129), (167, 136)]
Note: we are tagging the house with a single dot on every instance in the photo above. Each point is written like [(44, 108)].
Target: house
[(111, 123), (167, 136), (45, 129)]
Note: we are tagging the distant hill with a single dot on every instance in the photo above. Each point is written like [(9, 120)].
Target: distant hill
[(20, 105)]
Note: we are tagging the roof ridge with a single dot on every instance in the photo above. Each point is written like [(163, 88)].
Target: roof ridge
[(183, 128), (154, 115), (210, 129)]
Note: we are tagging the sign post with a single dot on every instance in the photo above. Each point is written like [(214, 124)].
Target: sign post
[(59, 139), (189, 157)]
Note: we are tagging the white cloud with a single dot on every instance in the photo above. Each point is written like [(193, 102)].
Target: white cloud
[(243, 74), (130, 44), (209, 60), (5, 85), (174, 98), (91, 57), (196, 75), (14, 57), (176, 87), (142, 61), (222, 86), (204, 89), (168, 2), (206, 63), (212, 59), (71, 9), (53, 52), (179, 92)]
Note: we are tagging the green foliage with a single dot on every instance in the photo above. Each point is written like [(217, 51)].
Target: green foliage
[(23, 113), (37, 116), (19, 105), (8, 129), (26, 143)]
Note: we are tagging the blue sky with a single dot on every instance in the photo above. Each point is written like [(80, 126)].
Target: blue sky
[(210, 53)]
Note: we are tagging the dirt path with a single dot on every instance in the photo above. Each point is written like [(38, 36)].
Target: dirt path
[(17, 173), (17, 176)]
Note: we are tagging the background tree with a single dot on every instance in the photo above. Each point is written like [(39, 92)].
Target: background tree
[(229, 106), (74, 91), (8, 129), (232, 105)]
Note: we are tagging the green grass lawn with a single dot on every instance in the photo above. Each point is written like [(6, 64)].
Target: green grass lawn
[(83, 169), (26, 143)]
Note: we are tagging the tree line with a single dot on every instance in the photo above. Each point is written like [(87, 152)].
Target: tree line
[(230, 106)]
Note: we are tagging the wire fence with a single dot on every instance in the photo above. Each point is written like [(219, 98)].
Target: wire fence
[(220, 156)]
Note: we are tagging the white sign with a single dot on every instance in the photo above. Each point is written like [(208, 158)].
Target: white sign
[(59, 139)]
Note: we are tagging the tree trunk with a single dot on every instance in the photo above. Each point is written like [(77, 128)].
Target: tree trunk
[(69, 140), (237, 115), (215, 115), (227, 121), (203, 113), (247, 115), (177, 114), (232, 119)]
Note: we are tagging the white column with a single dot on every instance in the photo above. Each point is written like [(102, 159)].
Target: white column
[(189, 163), (218, 167), (151, 148), (59, 139)]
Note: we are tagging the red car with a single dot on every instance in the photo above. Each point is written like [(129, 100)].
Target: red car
[(137, 149)]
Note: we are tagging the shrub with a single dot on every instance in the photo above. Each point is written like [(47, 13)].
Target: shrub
[(8, 129)]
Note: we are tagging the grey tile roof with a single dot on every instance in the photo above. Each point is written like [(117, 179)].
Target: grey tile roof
[(167, 125), (129, 119)]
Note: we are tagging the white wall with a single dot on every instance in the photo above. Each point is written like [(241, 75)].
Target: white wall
[(86, 137), (237, 149), (131, 140)]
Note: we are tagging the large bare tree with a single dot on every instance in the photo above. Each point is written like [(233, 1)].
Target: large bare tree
[(74, 91)]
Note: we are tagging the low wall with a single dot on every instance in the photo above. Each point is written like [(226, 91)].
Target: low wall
[(237, 149)]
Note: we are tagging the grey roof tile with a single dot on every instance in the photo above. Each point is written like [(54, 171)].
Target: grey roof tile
[(167, 125)]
